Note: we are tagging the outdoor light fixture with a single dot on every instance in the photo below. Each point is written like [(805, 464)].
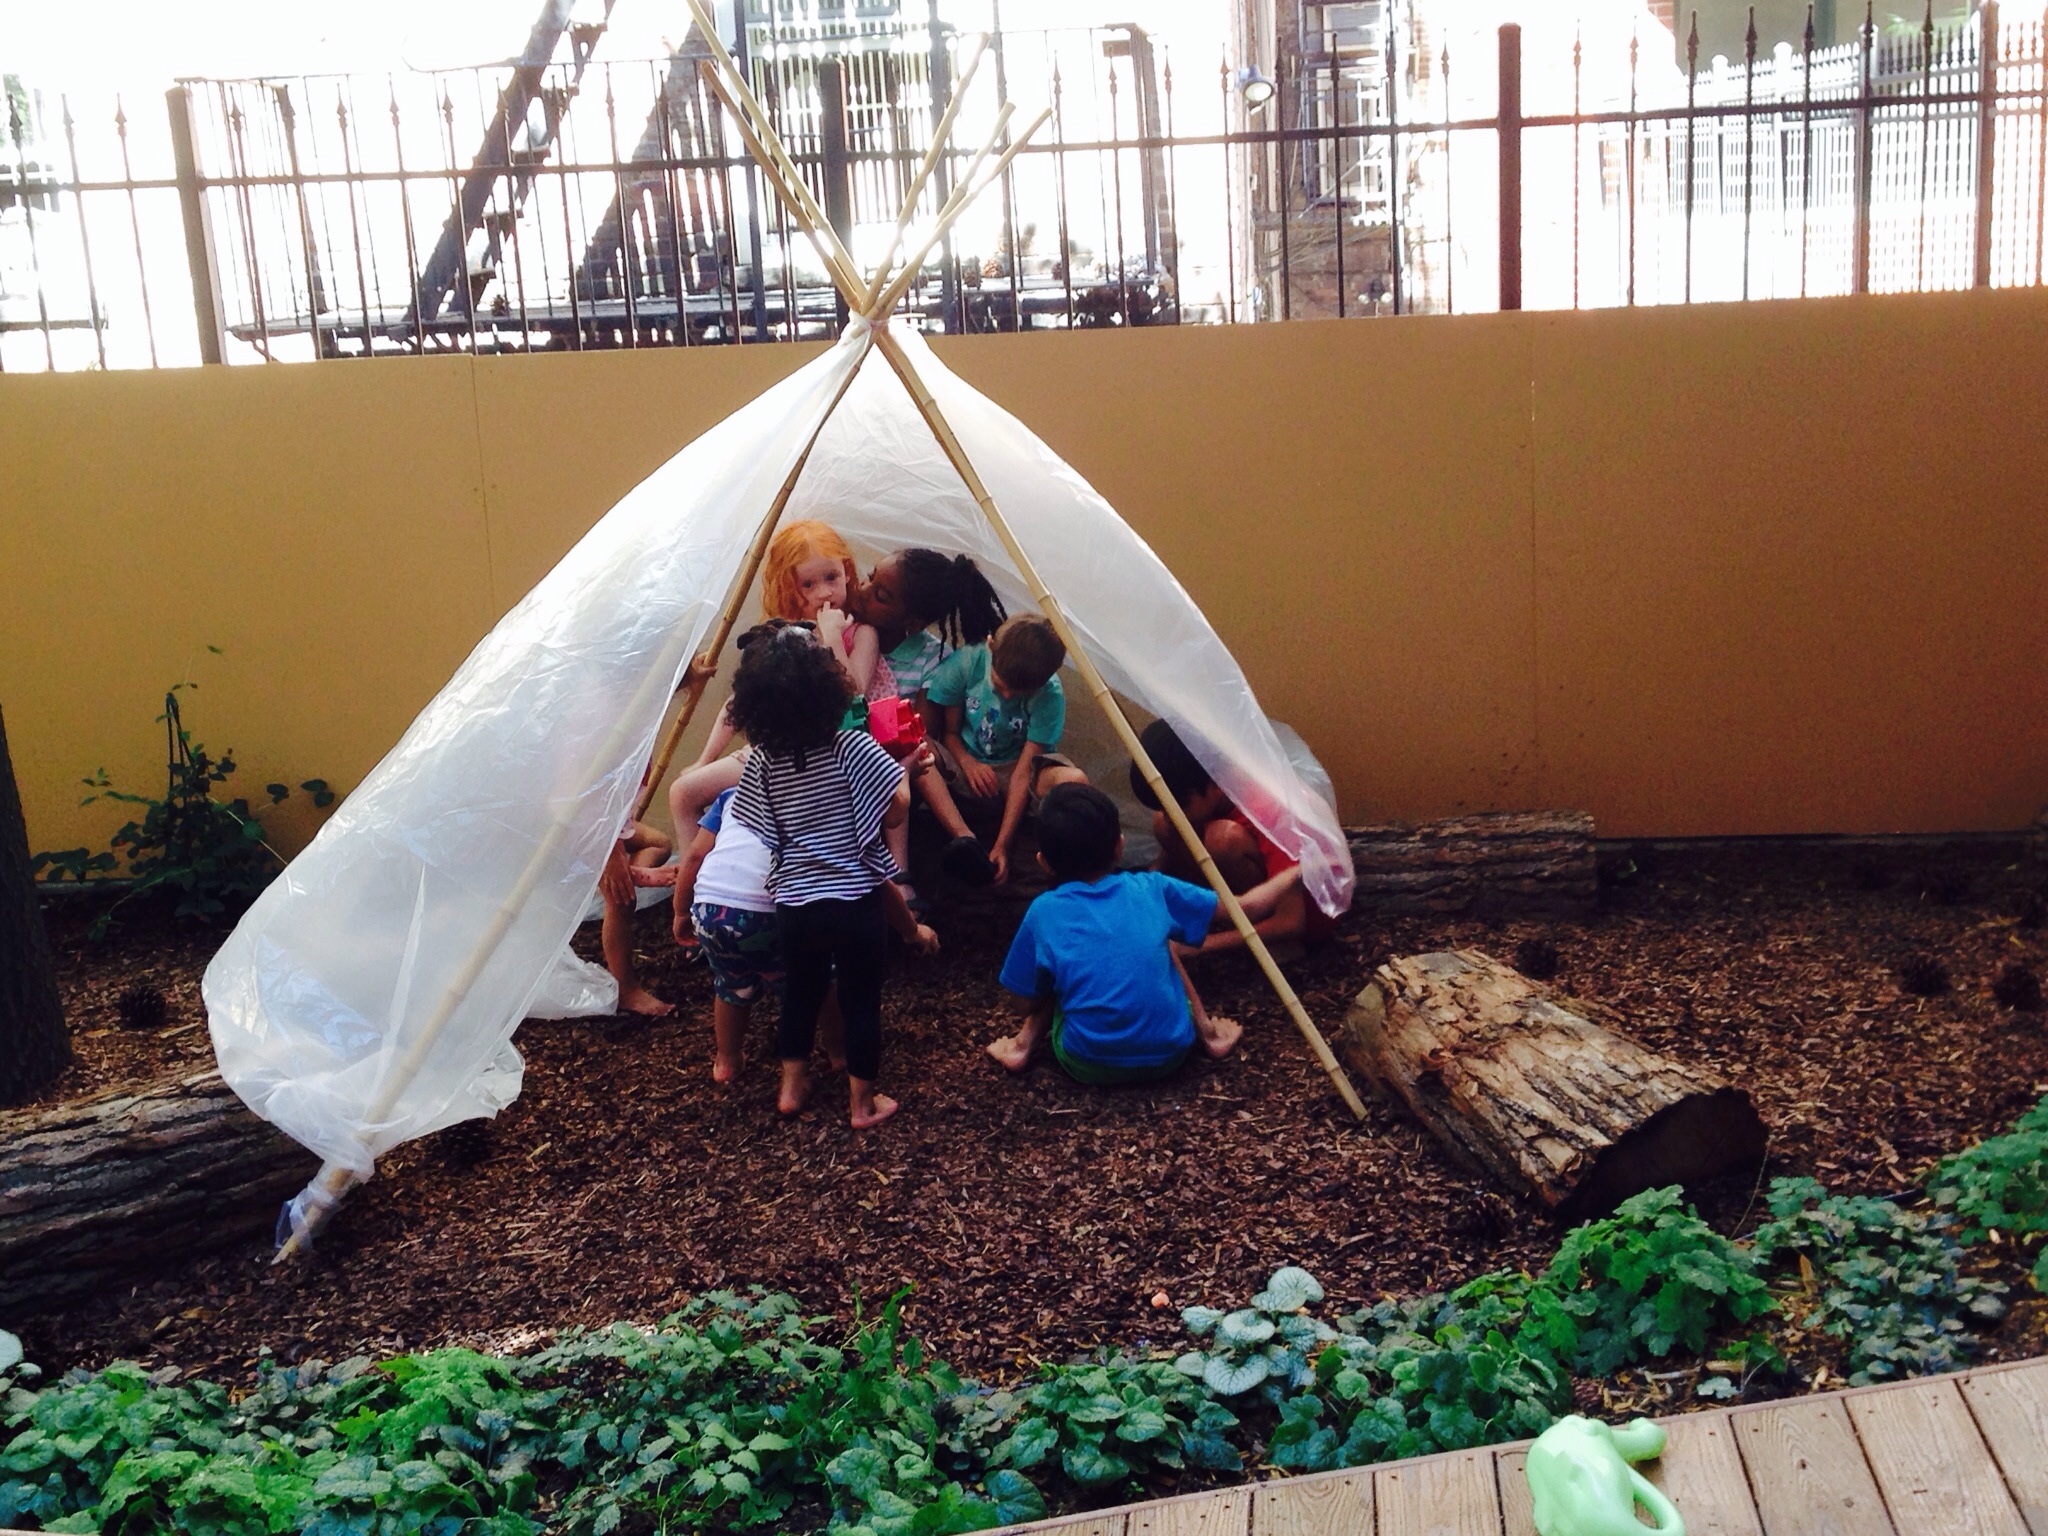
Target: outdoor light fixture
[(1256, 89)]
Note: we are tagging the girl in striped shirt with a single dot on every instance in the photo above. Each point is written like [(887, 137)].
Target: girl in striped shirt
[(819, 797)]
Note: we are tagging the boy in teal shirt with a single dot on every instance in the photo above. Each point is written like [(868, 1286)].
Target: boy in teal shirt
[(1003, 711), (1092, 964)]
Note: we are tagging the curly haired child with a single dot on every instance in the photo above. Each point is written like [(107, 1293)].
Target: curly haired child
[(914, 589), (818, 797), (906, 594), (807, 576)]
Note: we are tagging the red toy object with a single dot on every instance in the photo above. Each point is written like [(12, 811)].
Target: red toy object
[(897, 725)]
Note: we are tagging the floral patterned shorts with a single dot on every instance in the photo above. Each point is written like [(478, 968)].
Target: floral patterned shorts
[(743, 948)]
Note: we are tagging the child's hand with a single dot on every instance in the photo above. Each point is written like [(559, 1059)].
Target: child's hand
[(926, 942), (999, 861), (665, 875), (981, 778), (702, 669), (832, 624)]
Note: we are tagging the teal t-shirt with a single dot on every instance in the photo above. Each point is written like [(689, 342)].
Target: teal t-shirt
[(914, 660), (995, 728)]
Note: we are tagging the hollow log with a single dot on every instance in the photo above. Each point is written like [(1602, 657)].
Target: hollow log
[(95, 1193), (1540, 863), (1539, 1091)]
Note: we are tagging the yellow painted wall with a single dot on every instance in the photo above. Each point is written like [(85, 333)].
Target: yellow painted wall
[(1733, 569)]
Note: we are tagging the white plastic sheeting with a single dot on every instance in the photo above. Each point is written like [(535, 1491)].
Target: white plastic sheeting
[(370, 995)]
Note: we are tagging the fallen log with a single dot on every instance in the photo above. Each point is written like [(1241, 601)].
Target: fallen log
[(1539, 1091), (1539, 863), (95, 1193)]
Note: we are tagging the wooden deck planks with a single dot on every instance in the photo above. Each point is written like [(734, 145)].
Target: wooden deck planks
[(1701, 1472), (1333, 1504), (1949, 1456), (2011, 1410), (1806, 1470), (1452, 1495), (1936, 1474), (1517, 1508), (1225, 1513)]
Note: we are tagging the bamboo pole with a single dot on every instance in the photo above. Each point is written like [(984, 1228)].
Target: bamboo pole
[(782, 171), (334, 1180), (941, 429), (706, 664), (948, 217), (941, 136), (795, 195)]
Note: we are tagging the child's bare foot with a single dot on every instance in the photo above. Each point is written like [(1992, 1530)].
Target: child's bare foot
[(1013, 1052), (640, 1000), (871, 1109), (725, 1068), (796, 1087), (1222, 1036)]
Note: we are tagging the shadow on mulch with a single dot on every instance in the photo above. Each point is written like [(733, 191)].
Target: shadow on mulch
[(1038, 1218)]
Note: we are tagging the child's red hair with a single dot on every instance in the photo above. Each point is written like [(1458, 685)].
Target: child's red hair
[(790, 548)]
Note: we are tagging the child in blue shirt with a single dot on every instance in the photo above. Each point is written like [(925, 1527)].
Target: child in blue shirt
[(1092, 964), (1004, 713)]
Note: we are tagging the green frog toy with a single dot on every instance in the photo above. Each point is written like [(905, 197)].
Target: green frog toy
[(1581, 1482)]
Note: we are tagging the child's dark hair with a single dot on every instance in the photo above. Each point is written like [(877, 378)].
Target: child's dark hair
[(951, 592), (1077, 831), (1178, 767), (1026, 650), (789, 693)]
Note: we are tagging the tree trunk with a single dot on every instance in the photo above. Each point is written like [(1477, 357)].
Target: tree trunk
[(1537, 862), (34, 1049), (95, 1192), (1540, 1091)]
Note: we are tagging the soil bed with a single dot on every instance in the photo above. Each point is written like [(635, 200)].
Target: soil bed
[(1038, 1218)]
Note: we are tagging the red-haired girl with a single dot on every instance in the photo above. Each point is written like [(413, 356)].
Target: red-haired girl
[(806, 577)]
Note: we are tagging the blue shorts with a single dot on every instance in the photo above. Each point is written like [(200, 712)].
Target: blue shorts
[(744, 950)]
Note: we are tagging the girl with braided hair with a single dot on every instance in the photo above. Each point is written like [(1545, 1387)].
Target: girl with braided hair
[(905, 595)]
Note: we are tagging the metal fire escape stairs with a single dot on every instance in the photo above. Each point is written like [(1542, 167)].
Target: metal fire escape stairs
[(453, 277)]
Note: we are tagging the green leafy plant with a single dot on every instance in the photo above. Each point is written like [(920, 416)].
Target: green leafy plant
[(209, 854), (1113, 1422), (1887, 1279), (1434, 1373), (1640, 1284), (2000, 1185), (1267, 1347)]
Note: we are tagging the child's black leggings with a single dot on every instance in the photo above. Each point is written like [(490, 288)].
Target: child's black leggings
[(817, 937)]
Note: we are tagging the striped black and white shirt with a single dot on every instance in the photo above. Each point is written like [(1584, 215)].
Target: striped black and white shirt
[(822, 822)]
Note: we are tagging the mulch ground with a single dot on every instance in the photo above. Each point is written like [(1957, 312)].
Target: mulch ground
[(1037, 1218)]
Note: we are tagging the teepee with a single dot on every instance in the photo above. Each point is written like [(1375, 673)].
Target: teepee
[(370, 995)]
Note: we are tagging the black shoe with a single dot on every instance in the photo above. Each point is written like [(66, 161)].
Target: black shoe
[(965, 862)]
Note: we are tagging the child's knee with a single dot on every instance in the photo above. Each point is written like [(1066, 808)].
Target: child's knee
[(1236, 853)]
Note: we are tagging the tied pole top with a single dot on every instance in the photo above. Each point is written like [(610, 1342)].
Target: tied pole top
[(868, 302)]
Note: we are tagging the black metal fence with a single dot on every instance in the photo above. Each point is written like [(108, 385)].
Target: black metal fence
[(565, 201)]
